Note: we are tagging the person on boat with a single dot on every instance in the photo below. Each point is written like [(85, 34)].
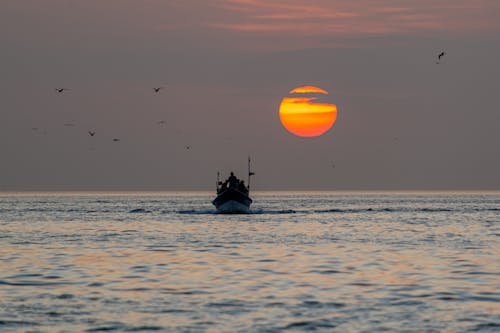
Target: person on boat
[(223, 186), (242, 187), (233, 181)]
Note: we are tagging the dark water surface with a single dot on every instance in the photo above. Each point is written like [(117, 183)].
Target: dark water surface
[(324, 262)]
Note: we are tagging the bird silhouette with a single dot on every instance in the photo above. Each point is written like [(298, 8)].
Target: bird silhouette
[(440, 55), (157, 90), (91, 133), (60, 90), (116, 140), (188, 147)]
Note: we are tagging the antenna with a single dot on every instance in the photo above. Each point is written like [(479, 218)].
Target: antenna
[(218, 181)]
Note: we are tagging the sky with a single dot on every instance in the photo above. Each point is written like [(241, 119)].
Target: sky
[(403, 121)]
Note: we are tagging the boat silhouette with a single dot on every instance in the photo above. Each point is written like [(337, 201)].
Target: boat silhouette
[(233, 196)]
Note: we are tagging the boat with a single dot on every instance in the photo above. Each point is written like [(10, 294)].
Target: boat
[(233, 197), (232, 201)]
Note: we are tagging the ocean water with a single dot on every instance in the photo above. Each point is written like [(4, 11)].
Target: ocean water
[(301, 262)]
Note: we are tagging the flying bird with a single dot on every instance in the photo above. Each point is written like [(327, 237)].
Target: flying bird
[(60, 90), (116, 140), (440, 55), (157, 90), (188, 147), (91, 133)]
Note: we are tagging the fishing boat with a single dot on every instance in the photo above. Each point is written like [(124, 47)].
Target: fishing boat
[(233, 196)]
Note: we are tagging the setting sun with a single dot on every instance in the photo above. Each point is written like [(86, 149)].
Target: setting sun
[(304, 116)]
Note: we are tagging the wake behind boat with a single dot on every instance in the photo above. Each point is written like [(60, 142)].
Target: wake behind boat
[(233, 196)]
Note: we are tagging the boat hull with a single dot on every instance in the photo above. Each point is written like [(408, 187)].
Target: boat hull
[(232, 201), (233, 207)]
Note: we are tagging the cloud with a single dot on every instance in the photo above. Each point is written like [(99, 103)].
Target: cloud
[(327, 18)]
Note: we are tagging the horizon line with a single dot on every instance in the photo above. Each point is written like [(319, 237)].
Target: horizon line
[(129, 191)]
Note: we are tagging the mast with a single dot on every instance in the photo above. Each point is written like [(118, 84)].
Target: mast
[(250, 173)]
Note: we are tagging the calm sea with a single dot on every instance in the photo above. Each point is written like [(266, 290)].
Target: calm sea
[(301, 262)]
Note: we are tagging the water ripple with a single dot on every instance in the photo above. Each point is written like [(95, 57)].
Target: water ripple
[(323, 262)]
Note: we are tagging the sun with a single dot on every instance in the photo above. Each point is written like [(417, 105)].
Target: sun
[(302, 115)]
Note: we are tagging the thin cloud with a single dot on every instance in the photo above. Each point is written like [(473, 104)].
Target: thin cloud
[(323, 17)]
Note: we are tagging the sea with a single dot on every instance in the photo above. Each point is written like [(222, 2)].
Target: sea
[(299, 262)]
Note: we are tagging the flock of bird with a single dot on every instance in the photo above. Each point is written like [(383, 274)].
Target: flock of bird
[(93, 133)]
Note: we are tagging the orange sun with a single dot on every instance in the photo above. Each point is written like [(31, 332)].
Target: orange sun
[(302, 116)]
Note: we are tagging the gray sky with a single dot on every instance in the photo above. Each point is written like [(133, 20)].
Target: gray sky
[(403, 121)]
